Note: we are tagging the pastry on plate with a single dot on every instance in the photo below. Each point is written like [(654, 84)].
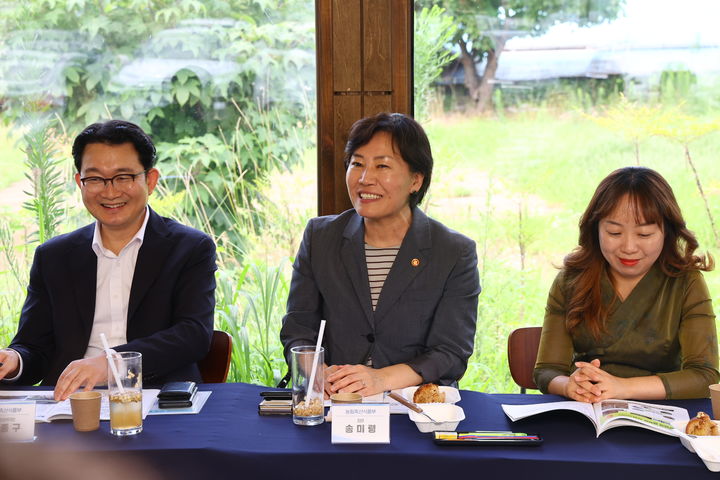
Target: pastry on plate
[(701, 425), (428, 393)]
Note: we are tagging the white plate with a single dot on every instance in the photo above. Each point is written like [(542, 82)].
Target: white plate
[(452, 395), (447, 415), (707, 448)]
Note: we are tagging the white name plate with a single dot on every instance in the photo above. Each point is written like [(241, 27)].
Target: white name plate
[(361, 423), (17, 421)]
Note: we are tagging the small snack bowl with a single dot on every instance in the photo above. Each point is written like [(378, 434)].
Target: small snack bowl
[(447, 415), (705, 447), (452, 395)]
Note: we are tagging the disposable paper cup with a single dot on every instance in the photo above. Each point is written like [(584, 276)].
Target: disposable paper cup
[(715, 398), (346, 398), (85, 410)]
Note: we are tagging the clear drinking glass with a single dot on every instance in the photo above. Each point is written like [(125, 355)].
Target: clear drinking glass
[(307, 400), (126, 403)]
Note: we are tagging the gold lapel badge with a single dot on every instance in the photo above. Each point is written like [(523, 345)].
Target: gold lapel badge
[(415, 262)]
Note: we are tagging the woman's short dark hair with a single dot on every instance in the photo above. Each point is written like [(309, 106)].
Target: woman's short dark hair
[(115, 132), (408, 137)]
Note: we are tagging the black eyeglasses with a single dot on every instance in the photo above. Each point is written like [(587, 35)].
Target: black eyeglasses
[(122, 181)]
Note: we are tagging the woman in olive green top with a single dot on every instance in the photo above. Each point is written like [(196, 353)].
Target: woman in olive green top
[(629, 315)]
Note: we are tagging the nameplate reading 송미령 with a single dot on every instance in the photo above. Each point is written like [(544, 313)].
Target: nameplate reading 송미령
[(361, 423), (17, 421)]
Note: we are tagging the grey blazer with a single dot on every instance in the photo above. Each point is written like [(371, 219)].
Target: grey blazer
[(427, 310)]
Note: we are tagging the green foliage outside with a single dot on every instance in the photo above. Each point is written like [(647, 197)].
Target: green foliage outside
[(214, 82), (516, 182), (485, 25), (226, 90), (519, 200), (433, 31)]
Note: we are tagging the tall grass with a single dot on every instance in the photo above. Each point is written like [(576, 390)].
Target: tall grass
[(249, 307)]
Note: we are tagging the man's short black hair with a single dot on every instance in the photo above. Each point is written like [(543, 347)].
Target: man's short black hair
[(115, 132), (407, 135)]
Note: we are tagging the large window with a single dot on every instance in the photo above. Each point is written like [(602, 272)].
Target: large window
[(536, 106), (227, 91), (527, 108)]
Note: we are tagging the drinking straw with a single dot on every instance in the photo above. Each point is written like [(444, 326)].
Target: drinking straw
[(108, 354), (308, 397)]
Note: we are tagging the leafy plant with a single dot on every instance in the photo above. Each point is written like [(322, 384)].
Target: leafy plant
[(233, 79), (7, 243), (250, 303), (47, 184), (433, 32), (220, 174)]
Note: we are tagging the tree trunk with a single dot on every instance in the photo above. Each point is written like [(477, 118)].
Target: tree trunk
[(481, 88), (487, 83), (472, 79)]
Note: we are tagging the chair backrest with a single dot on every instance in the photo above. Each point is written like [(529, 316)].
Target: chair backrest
[(523, 346), (215, 366)]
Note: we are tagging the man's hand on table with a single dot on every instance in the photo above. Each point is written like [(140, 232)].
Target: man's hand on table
[(10, 360), (88, 372)]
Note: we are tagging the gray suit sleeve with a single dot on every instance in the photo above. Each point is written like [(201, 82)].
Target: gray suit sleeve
[(451, 338), (304, 306)]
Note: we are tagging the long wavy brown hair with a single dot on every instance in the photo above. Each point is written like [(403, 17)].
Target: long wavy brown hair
[(653, 201)]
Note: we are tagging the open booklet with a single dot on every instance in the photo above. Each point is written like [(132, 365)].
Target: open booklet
[(611, 413), (47, 410)]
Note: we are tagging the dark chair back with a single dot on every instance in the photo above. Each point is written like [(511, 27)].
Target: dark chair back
[(215, 366), (523, 346)]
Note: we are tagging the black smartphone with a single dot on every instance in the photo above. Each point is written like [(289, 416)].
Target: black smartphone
[(177, 395), (175, 403), (482, 438), (177, 391), (277, 394)]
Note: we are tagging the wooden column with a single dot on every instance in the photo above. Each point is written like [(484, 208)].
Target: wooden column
[(364, 66)]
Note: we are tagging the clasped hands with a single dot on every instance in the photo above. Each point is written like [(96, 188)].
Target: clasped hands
[(353, 378), (589, 383), (86, 372)]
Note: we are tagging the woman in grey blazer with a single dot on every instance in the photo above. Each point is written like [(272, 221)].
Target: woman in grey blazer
[(398, 290)]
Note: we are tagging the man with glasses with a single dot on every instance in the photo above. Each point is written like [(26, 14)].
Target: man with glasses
[(146, 282)]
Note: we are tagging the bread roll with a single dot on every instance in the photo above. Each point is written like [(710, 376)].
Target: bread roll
[(701, 425), (428, 393)]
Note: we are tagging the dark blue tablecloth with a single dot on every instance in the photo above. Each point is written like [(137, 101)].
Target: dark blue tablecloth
[(228, 439)]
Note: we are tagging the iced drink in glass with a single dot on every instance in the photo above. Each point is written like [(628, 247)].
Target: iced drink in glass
[(125, 402)]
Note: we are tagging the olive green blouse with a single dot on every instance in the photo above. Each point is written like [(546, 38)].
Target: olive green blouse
[(665, 327)]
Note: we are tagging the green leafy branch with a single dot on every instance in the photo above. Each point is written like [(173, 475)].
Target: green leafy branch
[(46, 195)]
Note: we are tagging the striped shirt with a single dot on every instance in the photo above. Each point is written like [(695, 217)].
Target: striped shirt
[(379, 262)]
